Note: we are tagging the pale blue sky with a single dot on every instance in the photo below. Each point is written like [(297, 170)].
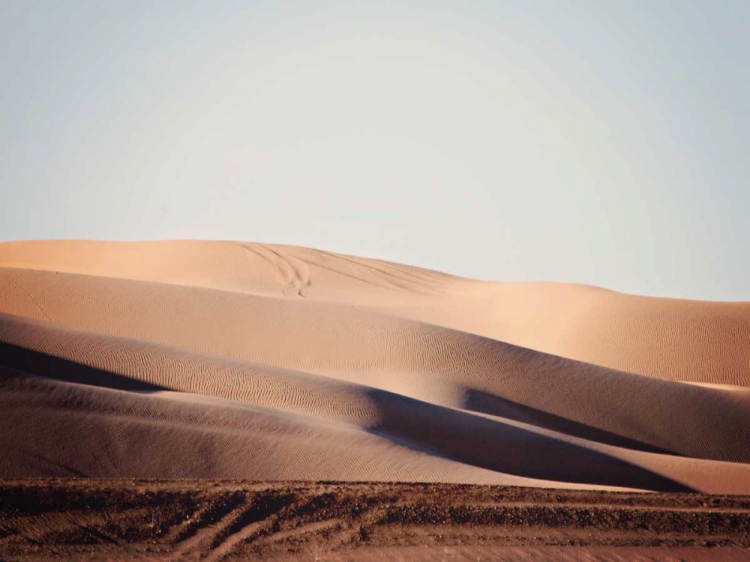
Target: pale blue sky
[(598, 142)]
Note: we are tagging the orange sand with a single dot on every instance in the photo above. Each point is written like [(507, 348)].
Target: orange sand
[(237, 360)]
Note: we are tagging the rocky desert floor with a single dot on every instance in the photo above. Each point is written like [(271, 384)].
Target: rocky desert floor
[(219, 520)]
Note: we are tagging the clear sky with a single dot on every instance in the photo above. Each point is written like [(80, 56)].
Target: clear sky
[(600, 142)]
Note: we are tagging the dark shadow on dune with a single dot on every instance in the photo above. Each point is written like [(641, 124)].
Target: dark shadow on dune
[(42, 462), (478, 401), (437, 430), (502, 447), (44, 365)]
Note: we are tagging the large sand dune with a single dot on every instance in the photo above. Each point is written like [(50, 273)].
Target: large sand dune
[(237, 360)]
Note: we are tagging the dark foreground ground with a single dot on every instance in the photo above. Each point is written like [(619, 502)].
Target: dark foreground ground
[(207, 520)]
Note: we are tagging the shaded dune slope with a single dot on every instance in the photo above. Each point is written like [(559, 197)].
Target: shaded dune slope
[(264, 362)]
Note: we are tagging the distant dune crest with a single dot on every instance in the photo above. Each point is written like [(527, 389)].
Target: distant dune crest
[(243, 360)]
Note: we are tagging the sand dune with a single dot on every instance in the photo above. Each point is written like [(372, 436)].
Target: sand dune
[(667, 338), (235, 360)]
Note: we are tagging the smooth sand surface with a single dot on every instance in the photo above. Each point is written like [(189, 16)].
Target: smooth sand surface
[(238, 360)]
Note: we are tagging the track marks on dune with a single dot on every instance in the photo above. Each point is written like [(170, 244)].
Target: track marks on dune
[(254, 519), (294, 273), (203, 526), (244, 518), (365, 270)]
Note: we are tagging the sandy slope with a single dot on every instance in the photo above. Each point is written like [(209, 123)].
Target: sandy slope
[(666, 338), (218, 359)]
